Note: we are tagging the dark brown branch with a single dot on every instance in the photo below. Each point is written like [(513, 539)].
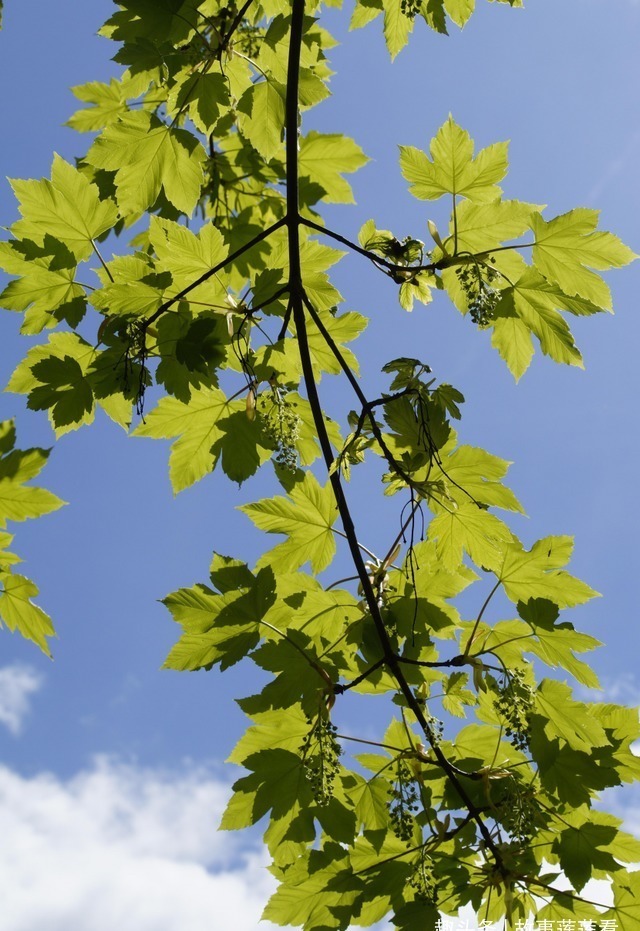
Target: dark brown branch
[(340, 689), (296, 301), (436, 664), (224, 42), (366, 405), (211, 272), (392, 267)]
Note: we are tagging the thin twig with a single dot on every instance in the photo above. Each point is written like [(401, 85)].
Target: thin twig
[(479, 617)]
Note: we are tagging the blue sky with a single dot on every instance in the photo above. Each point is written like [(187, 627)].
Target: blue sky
[(101, 741)]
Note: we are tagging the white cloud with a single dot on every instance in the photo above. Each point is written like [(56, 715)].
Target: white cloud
[(621, 690), (17, 684), (624, 690), (122, 847)]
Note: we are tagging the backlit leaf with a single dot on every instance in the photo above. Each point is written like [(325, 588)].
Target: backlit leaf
[(147, 156)]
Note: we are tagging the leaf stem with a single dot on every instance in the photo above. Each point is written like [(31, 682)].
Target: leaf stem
[(102, 261), (364, 549), (455, 225), (348, 578), (375, 429), (479, 617), (371, 743)]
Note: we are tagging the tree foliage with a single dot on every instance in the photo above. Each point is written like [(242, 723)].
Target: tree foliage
[(223, 301)]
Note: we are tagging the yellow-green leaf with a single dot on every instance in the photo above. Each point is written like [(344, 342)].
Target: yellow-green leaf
[(68, 207)]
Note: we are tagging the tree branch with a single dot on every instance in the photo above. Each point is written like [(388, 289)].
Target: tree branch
[(372, 256), (297, 304), (212, 271), (224, 42), (341, 689), (366, 406)]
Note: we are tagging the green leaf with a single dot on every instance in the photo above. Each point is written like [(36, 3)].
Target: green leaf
[(626, 902), (456, 695), (7, 436), (535, 574), (58, 377), (324, 158), (342, 328), (570, 720), (569, 246), (556, 645), (460, 11), (533, 302), (364, 12), (582, 848), (209, 427), (316, 889), (277, 783), (418, 288), (187, 256), (108, 102), (306, 517), (452, 168), (191, 351), (371, 799), (204, 95), (304, 605), (472, 473), (283, 729), (218, 628), (147, 156), (512, 338), (17, 500), (482, 743), (469, 528), (19, 613), (482, 227), (63, 389), (46, 291), (261, 117), (397, 26), (68, 208)]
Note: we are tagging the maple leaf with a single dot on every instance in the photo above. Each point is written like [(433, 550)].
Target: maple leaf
[(68, 208), (306, 517), (148, 156), (452, 168)]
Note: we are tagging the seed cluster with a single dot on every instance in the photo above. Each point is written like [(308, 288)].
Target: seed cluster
[(476, 281), (136, 354), (320, 753), (404, 802), (423, 879), (282, 425), (436, 729), (520, 812), (514, 705)]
